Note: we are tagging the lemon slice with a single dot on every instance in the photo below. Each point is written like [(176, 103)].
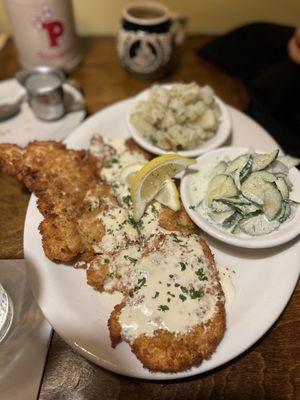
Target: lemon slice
[(169, 196), (128, 172), (149, 180)]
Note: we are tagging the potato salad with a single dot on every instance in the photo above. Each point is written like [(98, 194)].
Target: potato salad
[(180, 118)]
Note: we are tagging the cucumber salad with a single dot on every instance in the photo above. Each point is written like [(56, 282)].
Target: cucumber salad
[(250, 194)]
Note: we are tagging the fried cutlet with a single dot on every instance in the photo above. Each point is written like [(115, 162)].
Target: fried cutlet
[(92, 220), (107, 159), (60, 179), (163, 350)]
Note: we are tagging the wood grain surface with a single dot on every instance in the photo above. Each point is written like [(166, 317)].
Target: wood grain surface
[(269, 370)]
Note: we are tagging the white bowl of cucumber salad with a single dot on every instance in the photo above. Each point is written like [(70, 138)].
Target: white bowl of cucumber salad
[(244, 197)]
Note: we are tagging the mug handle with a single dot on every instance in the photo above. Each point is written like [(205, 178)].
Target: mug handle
[(179, 23), (75, 105)]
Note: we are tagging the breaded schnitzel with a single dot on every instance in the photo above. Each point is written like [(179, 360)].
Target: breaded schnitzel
[(60, 179), (164, 265), (172, 314)]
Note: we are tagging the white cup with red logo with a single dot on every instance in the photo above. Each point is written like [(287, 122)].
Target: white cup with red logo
[(44, 32)]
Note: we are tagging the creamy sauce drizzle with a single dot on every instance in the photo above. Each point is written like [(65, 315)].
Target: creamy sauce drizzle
[(169, 288), (227, 285), (177, 291), (120, 228)]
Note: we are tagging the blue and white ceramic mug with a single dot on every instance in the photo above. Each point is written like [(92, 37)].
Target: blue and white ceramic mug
[(147, 38)]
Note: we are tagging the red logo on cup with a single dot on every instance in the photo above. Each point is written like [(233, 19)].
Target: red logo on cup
[(45, 21), (55, 29)]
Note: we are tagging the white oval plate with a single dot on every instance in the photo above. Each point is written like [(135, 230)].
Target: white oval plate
[(286, 232), (25, 127), (79, 314), (217, 140)]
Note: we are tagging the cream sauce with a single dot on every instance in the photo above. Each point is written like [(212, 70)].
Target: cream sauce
[(118, 221), (177, 290), (227, 285), (169, 288)]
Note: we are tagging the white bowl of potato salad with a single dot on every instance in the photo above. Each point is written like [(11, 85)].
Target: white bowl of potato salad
[(187, 119)]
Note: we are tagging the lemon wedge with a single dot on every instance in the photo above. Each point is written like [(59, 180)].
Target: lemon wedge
[(149, 180), (169, 196), (128, 172)]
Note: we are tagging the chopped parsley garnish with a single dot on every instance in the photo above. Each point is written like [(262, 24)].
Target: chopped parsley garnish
[(171, 276), (184, 289), (110, 231), (136, 224), (175, 238), (182, 266), (182, 297), (168, 284), (141, 283), (106, 260), (127, 200), (154, 210), (112, 161), (168, 299), (152, 140), (131, 259), (115, 185), (179, 147), (171, 294), (201, 275), (195, 205), (196, 294), (176, 285), (156, 295), (163, 308), (130, 294), (111, 275), (100, 201)]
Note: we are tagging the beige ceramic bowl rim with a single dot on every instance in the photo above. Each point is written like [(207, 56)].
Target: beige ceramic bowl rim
[(147, 5)]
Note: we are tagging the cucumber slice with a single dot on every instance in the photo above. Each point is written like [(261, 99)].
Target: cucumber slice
[(235, 201), (294, 202), (246, 170), (232, 220), (257, 226), (283, 188), (220, 168), (220, 217), (238, 163), (272, 201), (254, 186), (286, 180), (240, 168), (285, 212), (220, 186), (263, 161), (241, 174), (278, 168), (219, 206), (243, 206), (289, 161)]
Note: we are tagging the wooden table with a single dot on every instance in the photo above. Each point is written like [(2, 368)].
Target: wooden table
[(269, 370)]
